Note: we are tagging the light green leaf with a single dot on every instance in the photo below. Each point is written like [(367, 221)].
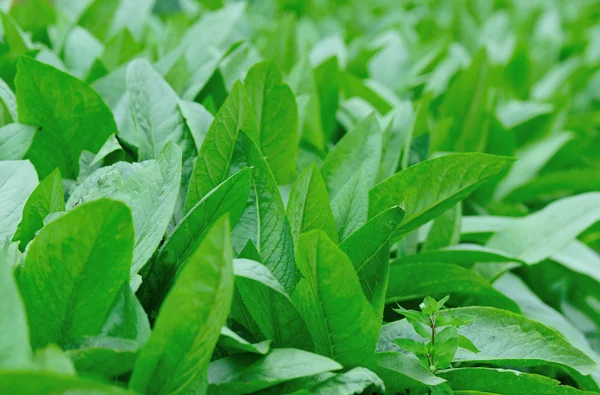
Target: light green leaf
[(229, 197), (98, 16), (276, 113), (105, 356), (198, 120), (368, 250), (47, 98), (15, 351), (399, 371), (214, 160), (17, 181), (231, 340), (154, 105), (264, 221), (80, 50), (342, 324), (355, 381), (515, 112), (15, 140), (45, 199), (308, 206), (65, 284), (431, 187), (247, 373), (445, 230), (350, 207), (177, 355), (508, 382), (270, 306), (119, 49), (360, 147), (8, 100), (416, 280), (461, 253)]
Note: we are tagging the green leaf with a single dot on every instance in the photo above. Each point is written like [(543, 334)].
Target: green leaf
[(501, 381), (460, 253), (105, 356), (327, 79), (8, 100), (368, 250), (177, 355), (17, 181), (446, 344), (65, 284), (505, 338), (119, 49), (45, 199), (399, 371), (308, 206), (155, 109), (15, 351), (229, 197), (149, 189), (360, 147), (214, 160), (198, 120), (545, 232), (81, 49), (264, 221), (445, 230), (33, 383), (98, 17), (15, 140), (47, 98), (431, 187), (276, 113), (231, 340), (342, 324), (355, 381), (406, 283), (270, 306), (350, 206), (247, 373), (466, 102)]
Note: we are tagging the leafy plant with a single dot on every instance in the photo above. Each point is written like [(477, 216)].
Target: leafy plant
[(234, 197)]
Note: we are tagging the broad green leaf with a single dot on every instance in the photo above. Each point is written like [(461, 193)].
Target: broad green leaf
[(308, 206), (198, 120), (580, 258), (276, 112), (231, 340), (327, 79), (119, 49), (270, 306), (505, 338), (15, 351), (17, 181), (15, 140), (149, 189), (329, 297), (368, 250), (45, 199), (47, 98), (155, 109), (98, 16), (545, 232), (229, 197), (65, 284), (248, 373), (406, 283), (177, 355), (501, 381), (264, 221), (360, 147), (81, 49), (399, 371), (34, 383), (431, 187), (532, 159), (133, 15), (445, 230), (214, 160), (350, 207), (105, 356), (461, 253)]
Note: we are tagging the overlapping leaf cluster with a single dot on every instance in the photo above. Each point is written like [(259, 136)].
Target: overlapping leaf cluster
[(229, 197)]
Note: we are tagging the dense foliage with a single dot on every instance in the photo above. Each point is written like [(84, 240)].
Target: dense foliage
[(287, 196)]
